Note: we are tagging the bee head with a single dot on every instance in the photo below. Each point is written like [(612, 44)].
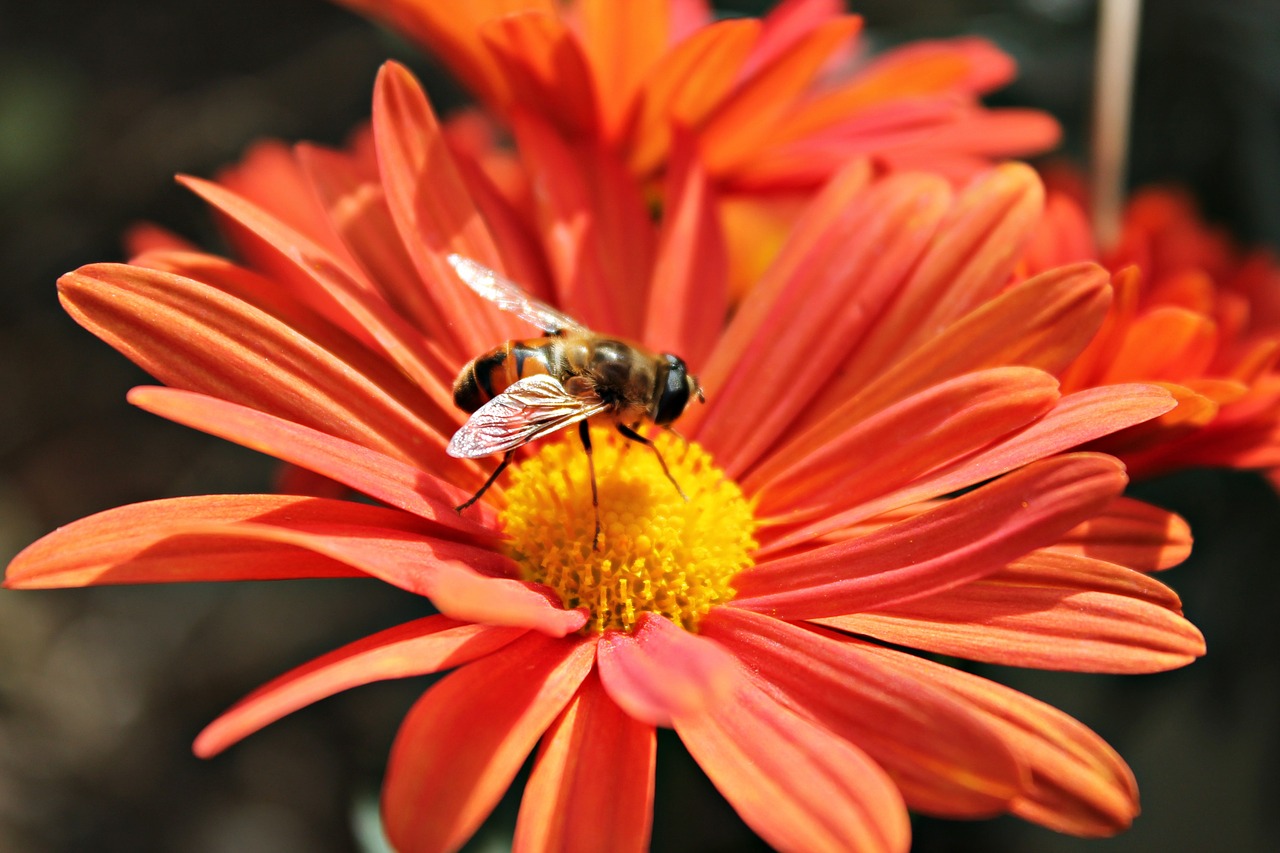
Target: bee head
[(677, 387)]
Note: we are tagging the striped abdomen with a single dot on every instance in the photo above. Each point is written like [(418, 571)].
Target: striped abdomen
[(489, 375)]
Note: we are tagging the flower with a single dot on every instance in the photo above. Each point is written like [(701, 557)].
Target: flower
[(774, 101), (878, 467), (1193, 312), (775, 105)]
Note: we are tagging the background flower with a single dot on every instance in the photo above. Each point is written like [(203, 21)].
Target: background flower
[(1194, 311)]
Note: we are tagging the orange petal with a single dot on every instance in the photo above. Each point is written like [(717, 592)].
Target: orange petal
[(686, 84), (1165, 344), (463, 581), (423, 646), (463, 742), (796, 784), (270, 177), (452, 32), (979, 135), (745, 120), (190, 335), (821, 224), (1133, 534), (660, 670), (167, 541), (1078, 784), (943, 758), (145, 237), (371, 473), (956, 541), (548, 71), (1047, 611), (337, 292), (566, 805), (623, 41), (969, 66)]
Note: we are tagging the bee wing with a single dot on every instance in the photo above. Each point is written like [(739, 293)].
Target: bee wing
[(508, 296), (532, 407)]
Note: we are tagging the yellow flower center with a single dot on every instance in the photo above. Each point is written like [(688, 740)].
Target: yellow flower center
[(658, 553)]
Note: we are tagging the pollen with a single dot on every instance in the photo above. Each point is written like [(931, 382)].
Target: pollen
[(658, 553)]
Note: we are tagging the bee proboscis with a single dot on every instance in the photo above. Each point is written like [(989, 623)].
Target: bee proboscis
[(526, 389)]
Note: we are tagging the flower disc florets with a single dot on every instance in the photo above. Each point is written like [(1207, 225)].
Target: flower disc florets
[(658, 553)]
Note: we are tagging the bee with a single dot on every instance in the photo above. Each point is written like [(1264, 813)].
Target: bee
[(526, 389)]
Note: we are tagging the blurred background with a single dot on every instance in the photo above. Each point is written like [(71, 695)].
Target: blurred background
[(102, 691)]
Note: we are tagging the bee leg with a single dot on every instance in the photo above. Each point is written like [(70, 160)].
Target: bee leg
[(628, 432), (585, 433), (506, 460), (678, 435)]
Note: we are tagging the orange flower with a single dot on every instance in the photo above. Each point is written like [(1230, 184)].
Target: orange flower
[(774, 105), (1192, 312), (775, 102), (880, 367)]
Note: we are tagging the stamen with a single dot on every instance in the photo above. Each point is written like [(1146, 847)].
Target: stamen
[(658, 553)]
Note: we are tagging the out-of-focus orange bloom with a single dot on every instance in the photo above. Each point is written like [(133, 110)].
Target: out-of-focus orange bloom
[(774, 105), (1194, 312), (879, 467), (775, 102)]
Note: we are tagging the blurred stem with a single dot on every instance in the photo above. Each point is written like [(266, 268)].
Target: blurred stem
[(1118, 24)]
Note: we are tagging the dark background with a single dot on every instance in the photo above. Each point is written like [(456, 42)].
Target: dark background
[(101, 691)]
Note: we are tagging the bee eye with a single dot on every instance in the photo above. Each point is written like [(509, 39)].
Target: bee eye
[(675, 391)]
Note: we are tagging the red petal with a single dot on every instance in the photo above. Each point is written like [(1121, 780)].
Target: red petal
[(367, 471), (1047, 611), (163, 542), (942, 755), (356, 205), (661, 670), (269, 176), (1078, 783), (337, 291), (799, 786), (597, 231), (900, 444), (433, 211), (959, 540), (1043, 322), (416, 648), (825, 289), (463, 581), (592, 785), (1077, 419), (463, 742), (548, 71), (970, 262), (688, 294)]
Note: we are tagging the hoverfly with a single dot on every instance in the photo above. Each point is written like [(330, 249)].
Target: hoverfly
[(526, 389)]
